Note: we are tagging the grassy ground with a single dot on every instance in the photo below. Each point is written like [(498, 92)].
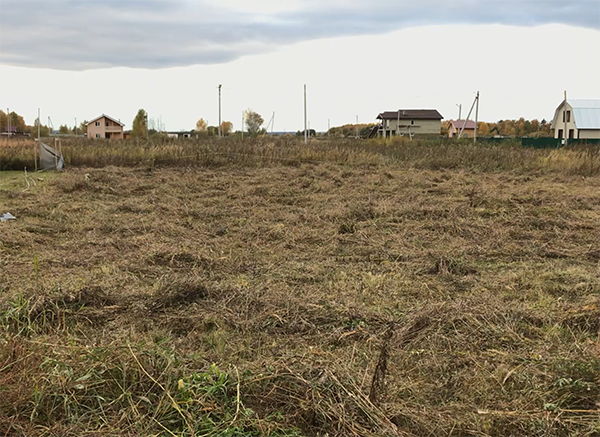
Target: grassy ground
[(313, 299)]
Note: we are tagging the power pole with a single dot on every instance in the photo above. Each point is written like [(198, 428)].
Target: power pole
[(75, 125), (468, 116), (147, 127), (356, 128), (328, 126), (39, 123), (242, 125), (305, 120), (220, 110), (565, 117), (476, 118), (273, 125), (459, 110), (8, 121)]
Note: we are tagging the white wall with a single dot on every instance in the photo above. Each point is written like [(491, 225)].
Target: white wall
[(559, 124), (589, 134)]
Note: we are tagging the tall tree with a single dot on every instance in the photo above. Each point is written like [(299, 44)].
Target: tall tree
[(15, 121), (3, 123), (64, 130), (201, 125), (140, 125), (18, 121), (226, 127), (44, 130), (82, 128), (253, 121)]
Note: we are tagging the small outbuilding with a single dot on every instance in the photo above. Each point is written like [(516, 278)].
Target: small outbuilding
[(455, 126)]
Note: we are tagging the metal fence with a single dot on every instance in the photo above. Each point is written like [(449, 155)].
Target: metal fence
[(554, 143)]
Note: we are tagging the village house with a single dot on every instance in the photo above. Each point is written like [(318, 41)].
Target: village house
[(409, 122), (455, 126), (180, 134), (105, 127), (577, 119)]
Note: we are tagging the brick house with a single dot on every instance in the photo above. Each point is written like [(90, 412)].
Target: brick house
[(105, 127)]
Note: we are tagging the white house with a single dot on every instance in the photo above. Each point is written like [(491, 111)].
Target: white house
[(577, 119)]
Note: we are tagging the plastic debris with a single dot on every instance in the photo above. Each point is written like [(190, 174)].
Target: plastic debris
[(6, 217)]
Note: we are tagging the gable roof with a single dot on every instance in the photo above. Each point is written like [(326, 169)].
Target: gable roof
[(586, 114), (105, 116), (407, 114), (458, 124)]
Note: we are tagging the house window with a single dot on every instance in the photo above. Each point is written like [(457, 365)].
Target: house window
[(107, 124), (560, 133), (97, 123), (567, 116), (412, 122), (571, 133)]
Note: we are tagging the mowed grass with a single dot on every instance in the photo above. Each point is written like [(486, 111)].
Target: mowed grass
[(313, 299)]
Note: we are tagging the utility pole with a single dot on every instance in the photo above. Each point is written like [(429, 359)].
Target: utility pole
[(147, 127), (468, 116), (8, 121), (328, 126), (273, 125), (305, 120), (459, 110), (39, 123), (220, 110), (242, 125), (476, 119), (565, 117), (397, 125), (75, 125), (356, 128)]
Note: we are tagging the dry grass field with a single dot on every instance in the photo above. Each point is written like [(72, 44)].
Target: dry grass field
[(362, 298)]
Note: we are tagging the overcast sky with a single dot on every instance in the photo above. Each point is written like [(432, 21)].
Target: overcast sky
[(76, 58)]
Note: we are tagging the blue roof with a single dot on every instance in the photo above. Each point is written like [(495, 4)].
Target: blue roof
[(586, 113)]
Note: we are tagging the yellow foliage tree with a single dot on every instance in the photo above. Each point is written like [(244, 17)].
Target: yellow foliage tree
[(201, 125)]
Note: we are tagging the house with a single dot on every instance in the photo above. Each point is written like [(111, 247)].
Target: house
[(10, 131), (577, 119), (411, 122), (105, 127), (13, 131), (454, 127), (180, 134)]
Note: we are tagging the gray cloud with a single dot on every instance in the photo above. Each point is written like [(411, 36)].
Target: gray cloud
[(81, 34)]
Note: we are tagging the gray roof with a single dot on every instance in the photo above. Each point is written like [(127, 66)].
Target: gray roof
[(586, 114), (407, 114)]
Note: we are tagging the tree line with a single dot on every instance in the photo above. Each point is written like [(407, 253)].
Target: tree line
[(253, 124), (508, 128)]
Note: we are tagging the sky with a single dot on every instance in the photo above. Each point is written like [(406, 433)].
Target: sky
[(79, 59)]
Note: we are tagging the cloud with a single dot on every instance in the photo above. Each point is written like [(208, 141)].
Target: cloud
[(83, 34)]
